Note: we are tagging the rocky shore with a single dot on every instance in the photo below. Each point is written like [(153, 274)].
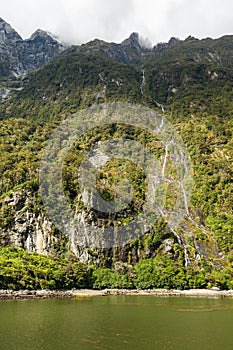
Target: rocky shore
[(81, 293)]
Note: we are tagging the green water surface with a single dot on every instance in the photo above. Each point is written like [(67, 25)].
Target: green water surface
[(117, 322)]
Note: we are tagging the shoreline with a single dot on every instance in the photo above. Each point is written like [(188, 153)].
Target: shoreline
[(87, 293)]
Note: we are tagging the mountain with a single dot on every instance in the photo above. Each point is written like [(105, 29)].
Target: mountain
[(190, 82), (18, 56), (131, 51)]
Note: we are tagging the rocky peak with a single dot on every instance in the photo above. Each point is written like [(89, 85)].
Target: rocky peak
[(132, 41), (137, 43), (18, 56), (38, 50), (7, 33), (190, 38), (39, 35), (173, 41)]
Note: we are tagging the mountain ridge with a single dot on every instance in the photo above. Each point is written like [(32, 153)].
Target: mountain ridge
[(192, 81), (18, 56)]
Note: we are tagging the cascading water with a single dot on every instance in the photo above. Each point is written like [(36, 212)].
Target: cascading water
[(143, 82)]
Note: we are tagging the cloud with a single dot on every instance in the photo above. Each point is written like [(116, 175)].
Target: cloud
[(75, 21), (201, 18), (103, 19), (79, 21)]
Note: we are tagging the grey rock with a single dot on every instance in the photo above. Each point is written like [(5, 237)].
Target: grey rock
[(29, 230), (168, 245), (18, 56), (173, 41)]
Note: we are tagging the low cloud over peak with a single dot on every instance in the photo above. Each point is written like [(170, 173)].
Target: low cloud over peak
[(78, 22)]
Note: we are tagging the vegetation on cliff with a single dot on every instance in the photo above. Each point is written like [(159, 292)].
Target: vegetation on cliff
[(21, 270), (192, 81)]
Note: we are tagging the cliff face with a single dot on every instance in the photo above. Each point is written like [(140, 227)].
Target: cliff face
[(32, 230), (38, 50), (192, 79), (29, 229), (18, 56)]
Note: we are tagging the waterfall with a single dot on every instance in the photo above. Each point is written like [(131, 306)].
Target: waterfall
[(176, 154), (186, 258), (185, 198), (179, 239), (143, 82), (159, 105), (161, 123), (165, 160)]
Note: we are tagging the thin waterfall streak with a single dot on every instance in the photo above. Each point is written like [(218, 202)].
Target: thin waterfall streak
[(186, 257), (161, 123), (143, 82), (185, 198), (165, 160)]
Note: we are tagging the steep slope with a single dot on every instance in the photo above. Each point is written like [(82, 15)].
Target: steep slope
[(18, 56), (8, 50), (131, 51), (191, 81), (194, 72)]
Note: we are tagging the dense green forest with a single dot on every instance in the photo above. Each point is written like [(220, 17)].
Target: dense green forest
[(21, 270), (193, 82)]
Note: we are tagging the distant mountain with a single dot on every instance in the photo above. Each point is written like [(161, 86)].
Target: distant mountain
[(130, 51), (18, 56), (199, 70)]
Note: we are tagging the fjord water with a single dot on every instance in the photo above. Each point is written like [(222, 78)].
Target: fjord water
[(117, 322)]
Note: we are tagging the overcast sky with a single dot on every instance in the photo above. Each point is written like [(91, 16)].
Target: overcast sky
[(78, 21)]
